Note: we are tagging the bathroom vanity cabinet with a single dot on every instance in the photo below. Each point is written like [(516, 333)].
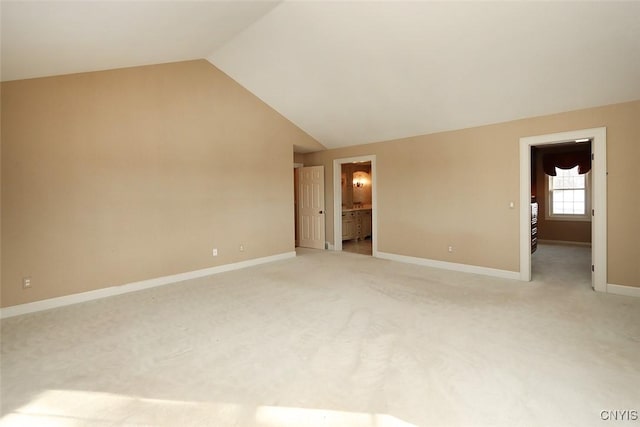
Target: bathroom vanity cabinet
[(356, 223)]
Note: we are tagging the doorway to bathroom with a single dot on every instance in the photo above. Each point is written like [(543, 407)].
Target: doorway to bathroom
[(355, 203)]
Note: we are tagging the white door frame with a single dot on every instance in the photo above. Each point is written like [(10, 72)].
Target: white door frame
[(295, 206), (598, 137), (337, 201)]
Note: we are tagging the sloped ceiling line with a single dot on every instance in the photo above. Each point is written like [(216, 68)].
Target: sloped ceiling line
[(354, 72)]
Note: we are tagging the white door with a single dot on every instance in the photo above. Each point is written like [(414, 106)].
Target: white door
[(311, 207)]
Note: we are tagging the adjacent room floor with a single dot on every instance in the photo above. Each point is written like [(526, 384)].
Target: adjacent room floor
[(331, 339), (562, 265), (362, 247)]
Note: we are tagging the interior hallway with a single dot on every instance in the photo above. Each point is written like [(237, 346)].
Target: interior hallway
[(329, 339)]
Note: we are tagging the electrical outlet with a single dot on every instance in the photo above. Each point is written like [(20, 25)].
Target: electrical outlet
[(26, 282), (241, 248), (214, 252), (450, 249)]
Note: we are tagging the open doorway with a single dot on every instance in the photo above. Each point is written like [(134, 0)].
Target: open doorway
[(357, 221), (355, 205), (561, 212), (597, 137)]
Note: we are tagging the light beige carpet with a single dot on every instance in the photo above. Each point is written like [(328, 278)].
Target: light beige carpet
[(332, 339)]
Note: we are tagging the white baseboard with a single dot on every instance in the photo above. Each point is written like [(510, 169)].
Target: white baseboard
[(564, 242), (630, 291), (330, 246), (465, 268), (47, 304)]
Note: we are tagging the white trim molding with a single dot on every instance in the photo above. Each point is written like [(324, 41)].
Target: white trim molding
[(445, 265), (598, 138), (47, 304), (629, 291)]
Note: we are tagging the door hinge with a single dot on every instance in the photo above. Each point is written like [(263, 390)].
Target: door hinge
[(593, 212), (593, 268), (592, 156)]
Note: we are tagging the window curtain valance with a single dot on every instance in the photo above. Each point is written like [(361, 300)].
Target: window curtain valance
[(570, 160)]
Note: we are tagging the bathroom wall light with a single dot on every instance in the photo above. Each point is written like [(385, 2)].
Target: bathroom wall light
[(360, 179)]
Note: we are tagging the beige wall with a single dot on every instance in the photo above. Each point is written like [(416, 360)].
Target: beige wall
[(118, 176), (298, 157), (454, 188)]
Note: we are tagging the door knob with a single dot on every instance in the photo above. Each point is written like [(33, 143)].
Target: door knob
[(321, 212)]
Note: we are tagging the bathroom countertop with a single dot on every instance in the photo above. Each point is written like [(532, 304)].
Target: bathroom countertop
[(363, 208)]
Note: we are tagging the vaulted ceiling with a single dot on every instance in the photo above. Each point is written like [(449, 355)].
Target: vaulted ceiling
[(44, 38), (352, 72)]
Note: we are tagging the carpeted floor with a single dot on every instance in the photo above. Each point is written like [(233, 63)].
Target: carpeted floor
[(332, 339)]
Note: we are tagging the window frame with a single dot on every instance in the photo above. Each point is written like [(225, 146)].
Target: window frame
[(549, 215)]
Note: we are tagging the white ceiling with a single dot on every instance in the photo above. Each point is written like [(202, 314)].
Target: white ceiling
[(357, 72), (360, 71), (44, 38)]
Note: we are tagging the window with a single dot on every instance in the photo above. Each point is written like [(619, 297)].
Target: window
[(568, 196)]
